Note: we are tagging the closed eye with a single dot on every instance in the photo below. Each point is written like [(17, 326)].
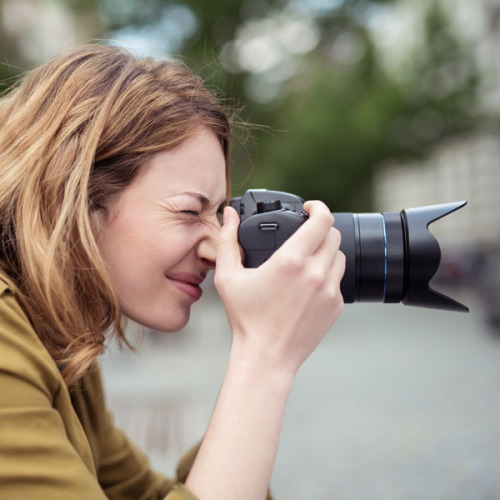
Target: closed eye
[(191, 212)]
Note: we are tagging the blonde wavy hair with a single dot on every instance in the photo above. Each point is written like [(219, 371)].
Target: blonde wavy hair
[(73, 133)]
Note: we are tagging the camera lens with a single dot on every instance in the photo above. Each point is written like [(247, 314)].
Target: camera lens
[(375, 258), (391, 256)]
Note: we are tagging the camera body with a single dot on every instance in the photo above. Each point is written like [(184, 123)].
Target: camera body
[(390, 256)]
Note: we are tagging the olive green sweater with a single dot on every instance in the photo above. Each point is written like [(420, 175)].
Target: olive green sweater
[(57, 444)]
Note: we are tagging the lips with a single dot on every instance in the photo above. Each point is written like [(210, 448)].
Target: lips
[(189, 283)]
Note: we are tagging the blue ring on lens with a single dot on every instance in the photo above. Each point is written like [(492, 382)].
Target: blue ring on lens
[(385, 255)]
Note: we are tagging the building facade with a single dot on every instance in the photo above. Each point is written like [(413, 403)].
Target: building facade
[(466, 167)]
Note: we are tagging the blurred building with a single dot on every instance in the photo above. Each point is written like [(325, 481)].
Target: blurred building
[(466, 167)]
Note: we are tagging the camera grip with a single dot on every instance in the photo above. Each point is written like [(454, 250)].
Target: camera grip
[(262, 234)]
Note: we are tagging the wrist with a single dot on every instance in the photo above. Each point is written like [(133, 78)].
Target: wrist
[(260, 363)]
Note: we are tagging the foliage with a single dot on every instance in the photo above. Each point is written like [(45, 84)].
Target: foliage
[(349, 119), (331, 111), (330, 121)]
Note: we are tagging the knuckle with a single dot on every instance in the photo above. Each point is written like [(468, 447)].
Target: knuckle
[(292, 263), (336, 234), (325, 217), (340, 304), (315, 279), (343, 261), (341, 256), (334, 240), (220, 278), (336, 298)]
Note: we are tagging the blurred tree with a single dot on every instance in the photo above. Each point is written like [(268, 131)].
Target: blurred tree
[(9, 55), (311, 73), (33, 30), (352, 116)]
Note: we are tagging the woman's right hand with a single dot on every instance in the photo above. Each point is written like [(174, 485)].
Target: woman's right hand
[(280, 311)]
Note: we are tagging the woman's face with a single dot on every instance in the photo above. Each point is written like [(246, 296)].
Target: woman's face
[(158, 236)]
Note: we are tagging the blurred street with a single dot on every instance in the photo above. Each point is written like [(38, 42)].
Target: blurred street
[(397, 403)]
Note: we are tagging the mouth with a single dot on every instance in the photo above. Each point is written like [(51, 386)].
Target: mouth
[(189, 283)]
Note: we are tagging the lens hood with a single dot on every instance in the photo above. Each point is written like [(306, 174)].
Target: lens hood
[(423, 256)]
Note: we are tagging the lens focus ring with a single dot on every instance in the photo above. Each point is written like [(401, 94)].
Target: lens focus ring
[(395, 257)]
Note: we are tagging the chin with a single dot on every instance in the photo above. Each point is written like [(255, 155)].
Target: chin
[(171, 324)]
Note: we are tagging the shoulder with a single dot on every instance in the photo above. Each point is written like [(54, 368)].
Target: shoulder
[(22, 354)]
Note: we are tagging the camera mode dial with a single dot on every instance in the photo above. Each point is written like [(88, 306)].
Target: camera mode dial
[(268, 206)]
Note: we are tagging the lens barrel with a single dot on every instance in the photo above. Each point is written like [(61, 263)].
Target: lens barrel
[(375, 256)]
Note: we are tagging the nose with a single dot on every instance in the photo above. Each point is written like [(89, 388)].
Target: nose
[(207, 246)]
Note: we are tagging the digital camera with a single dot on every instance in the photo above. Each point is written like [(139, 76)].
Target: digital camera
[(390, 256)]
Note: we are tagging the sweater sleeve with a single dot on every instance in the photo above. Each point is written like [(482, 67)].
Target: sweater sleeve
[(180, 492), (37, 459), (123, 470)]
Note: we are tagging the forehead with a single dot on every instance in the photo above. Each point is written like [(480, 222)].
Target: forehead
[(197, 164)]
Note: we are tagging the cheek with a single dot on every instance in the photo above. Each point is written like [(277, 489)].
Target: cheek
[(135, 244), (176, 243), (123, 246), (153, 249)]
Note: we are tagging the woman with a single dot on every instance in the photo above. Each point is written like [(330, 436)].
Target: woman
[(113, 174)]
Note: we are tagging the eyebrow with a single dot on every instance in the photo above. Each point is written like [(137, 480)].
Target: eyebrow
[(203, 199)]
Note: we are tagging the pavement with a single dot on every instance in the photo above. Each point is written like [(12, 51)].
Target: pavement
[(397, 403)]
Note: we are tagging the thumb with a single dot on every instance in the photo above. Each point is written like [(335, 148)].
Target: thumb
[(228, 249)]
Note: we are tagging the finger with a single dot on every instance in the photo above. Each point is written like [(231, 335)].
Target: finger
[(338, 265), (228, 250), (328, 249), (308, 238), (335, 274)]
